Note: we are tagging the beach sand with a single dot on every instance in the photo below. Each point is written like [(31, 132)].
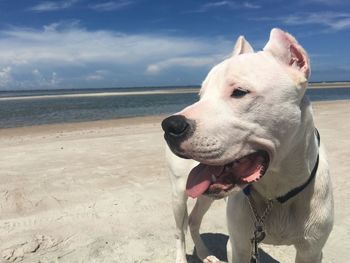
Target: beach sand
[(99, 192)]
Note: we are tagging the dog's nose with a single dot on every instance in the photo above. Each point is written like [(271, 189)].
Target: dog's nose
[(175, 126)]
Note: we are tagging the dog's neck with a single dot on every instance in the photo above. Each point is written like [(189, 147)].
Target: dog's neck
[(296, 166)]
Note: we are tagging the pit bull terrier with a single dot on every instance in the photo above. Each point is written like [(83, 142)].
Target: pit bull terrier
[(251, 138)]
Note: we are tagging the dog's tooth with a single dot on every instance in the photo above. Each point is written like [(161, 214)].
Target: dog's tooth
[(213, 178)]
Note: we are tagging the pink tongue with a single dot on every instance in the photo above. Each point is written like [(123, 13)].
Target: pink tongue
[(199, 179)]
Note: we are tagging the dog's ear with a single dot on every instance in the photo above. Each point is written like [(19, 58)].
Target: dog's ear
[(242, 46), (286, 48)]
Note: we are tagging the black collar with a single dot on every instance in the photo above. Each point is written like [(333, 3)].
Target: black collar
[(284, 198)]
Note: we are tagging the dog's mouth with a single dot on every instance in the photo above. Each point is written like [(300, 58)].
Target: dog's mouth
[(219, 181)]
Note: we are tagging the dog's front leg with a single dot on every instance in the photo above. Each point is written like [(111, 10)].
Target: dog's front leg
[(240, 229), (240, 250), (302, 258), (179, 202), (202, 205), (308, 253)]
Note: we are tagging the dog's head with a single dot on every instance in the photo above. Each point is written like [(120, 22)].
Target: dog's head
[(249, 108)]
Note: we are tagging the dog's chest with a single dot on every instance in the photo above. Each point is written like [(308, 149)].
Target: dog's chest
[(282, 227)]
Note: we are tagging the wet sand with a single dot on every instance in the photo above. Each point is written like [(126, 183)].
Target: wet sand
[(98, 192)]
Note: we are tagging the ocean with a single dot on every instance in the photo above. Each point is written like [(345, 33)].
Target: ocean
[(17, 111)]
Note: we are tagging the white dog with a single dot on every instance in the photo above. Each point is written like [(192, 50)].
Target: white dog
[(253, 129)]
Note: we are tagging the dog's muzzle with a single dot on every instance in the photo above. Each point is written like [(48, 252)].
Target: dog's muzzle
[(177, 128)]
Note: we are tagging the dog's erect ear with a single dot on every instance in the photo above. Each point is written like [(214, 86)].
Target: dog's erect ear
[(242, 46), (286, 48)]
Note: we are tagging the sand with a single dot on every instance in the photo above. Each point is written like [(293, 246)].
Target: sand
[(98, 192)]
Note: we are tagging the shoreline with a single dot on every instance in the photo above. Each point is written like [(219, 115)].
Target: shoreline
[(335, 85), (105, 94), (78, 126), (117, 122)]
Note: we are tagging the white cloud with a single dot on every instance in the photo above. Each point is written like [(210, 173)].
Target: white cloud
[(79, 46), (341, 24), (94, 77), (215, 4), (194, 62), (111, 5), (62, 25), (332, 21), (44, 81), (327, 2), (36, 57), (251, 5), (53, 5), (5, 76), (225, 4), (97, 75)]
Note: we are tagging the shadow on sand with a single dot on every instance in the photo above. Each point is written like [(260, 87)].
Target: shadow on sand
[(216, 243)]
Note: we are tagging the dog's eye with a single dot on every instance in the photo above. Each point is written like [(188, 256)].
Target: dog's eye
[(239, 92)]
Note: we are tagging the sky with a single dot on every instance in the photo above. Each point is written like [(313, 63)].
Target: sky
[(128, 43)]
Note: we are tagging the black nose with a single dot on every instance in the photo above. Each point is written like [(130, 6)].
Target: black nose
[(175, 126)]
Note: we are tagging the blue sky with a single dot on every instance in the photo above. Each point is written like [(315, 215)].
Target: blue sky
[(123, 43)]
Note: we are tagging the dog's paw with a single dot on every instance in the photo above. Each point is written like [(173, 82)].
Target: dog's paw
[(202, 252), (211, 259)]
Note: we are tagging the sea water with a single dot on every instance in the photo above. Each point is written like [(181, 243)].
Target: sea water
[(18, 112)]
